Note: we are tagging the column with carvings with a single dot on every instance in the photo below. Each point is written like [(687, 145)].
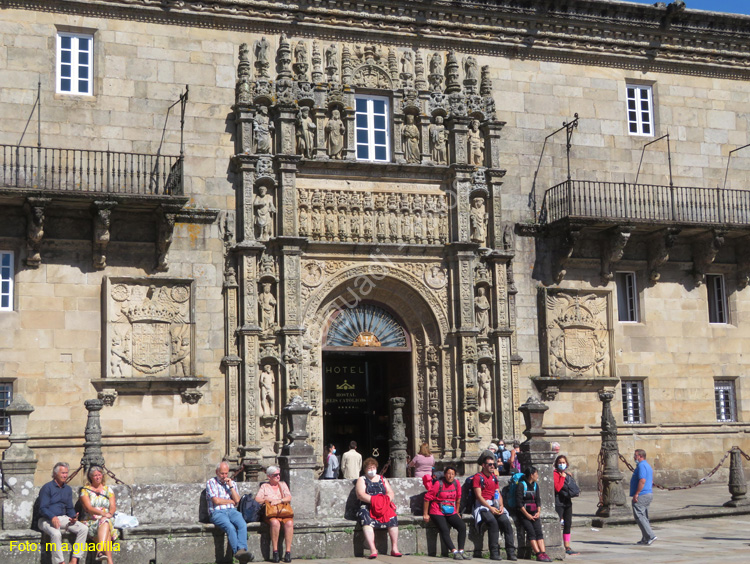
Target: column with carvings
[(397, 443), (297, 458), (92, 446), (613, 498), (18, 466)]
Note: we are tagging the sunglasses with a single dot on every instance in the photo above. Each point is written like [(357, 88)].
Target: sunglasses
[(274, 475), (490, 464)]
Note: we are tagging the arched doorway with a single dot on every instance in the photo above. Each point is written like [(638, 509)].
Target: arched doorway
[(366, 361)]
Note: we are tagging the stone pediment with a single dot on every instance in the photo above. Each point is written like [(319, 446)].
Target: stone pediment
[(372, 76)]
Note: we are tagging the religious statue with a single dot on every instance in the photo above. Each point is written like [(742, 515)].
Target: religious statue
[(438, 141), (261, 57), (407, 66), (410, 134), (300, 53), (476, 144), (335, 136), (470, 69), (262, 128), (332, 56), (330, 224), (267, 308), (436, 64), (304, 222), (305, 133), (264, 209), (433, 377), (485, 393), (482, 312), (478, 221), (267, 385)]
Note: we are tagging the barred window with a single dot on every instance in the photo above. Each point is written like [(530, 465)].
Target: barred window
[(6, 396), (633, 407), (74, 63), (627, 296), (640, 110), (726, 405), (372, 128)]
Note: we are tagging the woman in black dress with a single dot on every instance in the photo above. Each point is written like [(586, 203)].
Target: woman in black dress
[(368, 487)]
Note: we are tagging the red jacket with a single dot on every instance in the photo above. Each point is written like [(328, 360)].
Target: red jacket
[(440, 492), (382, 509), (559, 480)]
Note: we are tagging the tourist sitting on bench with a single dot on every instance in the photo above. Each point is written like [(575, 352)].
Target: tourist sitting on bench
[(222, 497)]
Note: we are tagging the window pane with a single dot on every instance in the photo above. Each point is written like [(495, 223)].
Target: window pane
[(65, 84), (380, 137), (5, 259), (65, 41), (380, 154), (378, 106), (83, 43), (5, 302), (646, 128), (65, 56), (361, 105), (83, 58), (83, 86), (83, 72), (362, 152), (362, 136), (5, 286), (362, 121), (379, 122)]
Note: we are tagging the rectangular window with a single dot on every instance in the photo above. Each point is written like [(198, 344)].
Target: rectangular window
[(633, 407), (717, 299), (726, 404), (372, 128), (6, 280), (640, 110), (6, 396), (74, 63), (627, 296)]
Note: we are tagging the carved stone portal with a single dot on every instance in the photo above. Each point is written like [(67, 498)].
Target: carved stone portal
[(149, 328)]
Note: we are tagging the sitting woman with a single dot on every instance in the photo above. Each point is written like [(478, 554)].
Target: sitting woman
[(274, 492), (378, 510), (99, 507), (441, 504), (530, 512)]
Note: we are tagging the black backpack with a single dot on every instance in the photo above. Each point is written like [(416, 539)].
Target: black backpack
[(468, 499), (249, 508), (203, 508)]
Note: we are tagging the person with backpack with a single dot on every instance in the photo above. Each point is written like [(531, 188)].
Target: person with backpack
[(565, 490), (528, 502), (488, 509), (441, 505)]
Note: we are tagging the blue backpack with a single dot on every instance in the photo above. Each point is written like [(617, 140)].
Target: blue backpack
[(509, 495)]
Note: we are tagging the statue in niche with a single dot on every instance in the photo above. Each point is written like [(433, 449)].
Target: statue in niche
[(267, 308), (482, 312), (485, 393), (433, 376), (407, 65), (304, 222), (508, 242), (267, 385), (470, 69), (392, 226), (317, 223), (367, 225), (305, 133), (261, 57), (332, 56), (436, 64), (262, 128), (478, 221), (438, 141), (335, 136), (264, 210), (419, 233), (410, 134), (120, 351), (476, 144), (330, 224), (381, 225), (355, 223), (180, 356), (434, 426)]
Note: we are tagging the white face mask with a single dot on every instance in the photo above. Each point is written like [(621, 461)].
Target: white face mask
[(371, 473), (562, 466)]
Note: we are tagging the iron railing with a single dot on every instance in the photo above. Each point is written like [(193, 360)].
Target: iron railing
[(81, 171), (644, 203)]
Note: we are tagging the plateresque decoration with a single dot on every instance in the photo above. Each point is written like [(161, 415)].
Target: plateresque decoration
[(365, 326)]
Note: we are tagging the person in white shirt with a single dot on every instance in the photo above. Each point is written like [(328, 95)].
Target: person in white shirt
[(351, 463)]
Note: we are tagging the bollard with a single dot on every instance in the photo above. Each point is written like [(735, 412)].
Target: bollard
[(737, 483)]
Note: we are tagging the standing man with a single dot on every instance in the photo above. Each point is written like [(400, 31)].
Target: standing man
[(488, 508), (641, 488), (222, 497), (57, 515), (351, 462)]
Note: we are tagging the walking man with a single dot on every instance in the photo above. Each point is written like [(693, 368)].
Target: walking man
[(641, 488), (351, 463), (222, 497)]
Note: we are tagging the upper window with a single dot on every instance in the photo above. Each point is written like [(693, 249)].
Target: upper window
[(6, 396), (74, 63), (627, 296), (640, 110), (6, 280), (717, 299), (372, 129), (633, 405), (726, 409)]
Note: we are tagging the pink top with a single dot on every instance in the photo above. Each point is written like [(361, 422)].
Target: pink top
[(422, 465), (266, 492)]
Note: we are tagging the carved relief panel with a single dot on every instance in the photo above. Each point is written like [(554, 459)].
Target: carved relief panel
[(149, 328), (577, 334)]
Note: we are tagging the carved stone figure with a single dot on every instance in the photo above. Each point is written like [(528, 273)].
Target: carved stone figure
[(332, 57), (264, 210), (410, 134), (180, 356), (34, 235), (381, 225), (267, 391), (392, 226), (476, 144), (485, 392), (438, 141), (478, 220), (305, 133), (304, 222), (317, 223), (119, 351), (434, 426), (433, 377), (330, 223), (267, 308), (470, 69), (102, 221), (482, 312), (261, 58), (300, 57), (335, 131), (367, 226), (262, 130)]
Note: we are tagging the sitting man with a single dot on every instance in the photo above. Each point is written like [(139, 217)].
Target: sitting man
[(222, 497), (57, 515), (488, 509)]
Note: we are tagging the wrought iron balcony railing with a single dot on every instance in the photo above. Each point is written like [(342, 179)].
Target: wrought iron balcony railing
[(582, 199), (82, 171)]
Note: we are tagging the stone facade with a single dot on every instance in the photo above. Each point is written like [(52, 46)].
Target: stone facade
[(196, 316)]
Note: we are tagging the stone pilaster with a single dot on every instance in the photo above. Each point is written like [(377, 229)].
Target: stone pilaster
[(297, 458)]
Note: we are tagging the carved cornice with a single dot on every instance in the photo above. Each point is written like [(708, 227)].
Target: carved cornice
[(614, 34)]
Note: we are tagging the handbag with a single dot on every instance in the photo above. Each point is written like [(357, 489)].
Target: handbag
[(573, 489), (281, 511)]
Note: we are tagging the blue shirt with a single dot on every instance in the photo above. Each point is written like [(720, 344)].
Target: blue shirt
[(55, 501), (642, 471)]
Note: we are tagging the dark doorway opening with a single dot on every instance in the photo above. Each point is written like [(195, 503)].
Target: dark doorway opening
[(356, 390)]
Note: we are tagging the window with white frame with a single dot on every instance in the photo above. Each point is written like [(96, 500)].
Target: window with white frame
[(75, 63), (372, 128), (627, 297), (717, 299), (726, 404), (633, 405), (6, 280), (640, 110), (6, 396)]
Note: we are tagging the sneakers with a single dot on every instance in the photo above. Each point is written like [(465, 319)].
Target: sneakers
[(457, 555), (542, 557), (647, 542), (288, 557), (570, 552), (465, 555), (650, 541)]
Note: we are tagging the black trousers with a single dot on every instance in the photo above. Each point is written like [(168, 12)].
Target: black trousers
[(533, 528), (444, 524), (565, 512), (496, 523)]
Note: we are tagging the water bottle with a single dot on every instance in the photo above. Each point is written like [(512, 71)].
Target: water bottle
[(496, 502)]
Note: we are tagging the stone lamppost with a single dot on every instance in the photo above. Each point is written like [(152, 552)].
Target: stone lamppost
[(613, 498), (297, 458), (92, 446), (398, 438)]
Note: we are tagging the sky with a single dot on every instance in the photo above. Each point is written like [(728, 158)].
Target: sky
[(730, 6)]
